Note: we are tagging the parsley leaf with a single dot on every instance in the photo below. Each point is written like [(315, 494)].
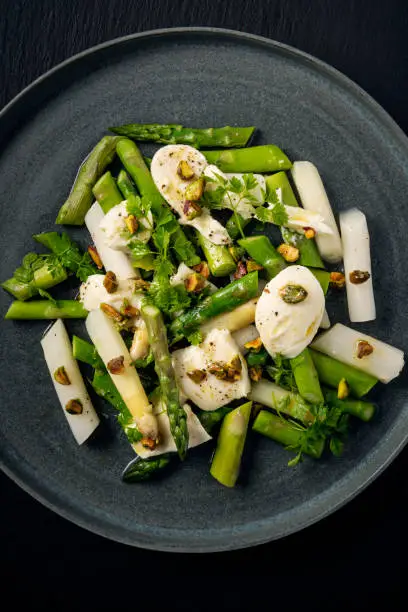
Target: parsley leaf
[(275, 213), (281, 372), (31, 262), (169, 299), (66, 253), (196, 337)]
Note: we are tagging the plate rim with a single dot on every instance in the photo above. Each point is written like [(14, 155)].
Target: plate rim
[(262, 531)]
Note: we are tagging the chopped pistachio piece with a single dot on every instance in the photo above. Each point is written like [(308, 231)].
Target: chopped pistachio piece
[(358, 277), (185, 171), (132, 224), (110, 282), (195, 190), (203, 269), (95, 257), (364, 349), (194, 283), (255, 373), (192, 210), (111, 312), (74, 406), (129, 311), (254, 345), (61, 376), (149, 443), (252, 266), (197, 376), (241, 270), (293, 294), (116, 365), (337, 279), (288, 252)]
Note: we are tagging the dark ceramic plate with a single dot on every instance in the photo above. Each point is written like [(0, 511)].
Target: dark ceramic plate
[(199, 77)]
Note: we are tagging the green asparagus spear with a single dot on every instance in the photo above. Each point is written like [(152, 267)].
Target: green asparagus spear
[(309, 255), (106, 192), (230, 445), (156, 330), (306, 377), (143, 469), (264, 158), (44, 309), (331, 372), (358, 408), (224, 300), (125, 185), (177, 134), (86, 352), (79, 201), (133, 161), (234, 223), (287, 433), (323, 277), (32, 276), (264, 253), (219, 259), (271, 395), (209, 420)]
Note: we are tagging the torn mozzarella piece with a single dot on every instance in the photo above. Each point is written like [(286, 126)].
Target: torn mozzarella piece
[(211, 393), (113, 261), (92, 293), (115, 231), (196, 433), (172, 187), (287, 328)]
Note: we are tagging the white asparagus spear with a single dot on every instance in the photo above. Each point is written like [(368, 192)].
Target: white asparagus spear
[(113, 261), (236, 319), (196, 433), (58, 354), (356, 255), (313, 197), (384, 361), (244, 335), (112, 350)]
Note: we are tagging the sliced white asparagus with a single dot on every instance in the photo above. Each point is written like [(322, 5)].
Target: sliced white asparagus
[(113, 261), (325, 322), (196, 433), (268, 394), (314, 197), (58, 354), (244, 335), (183, 272), (240, 317), (111, 347), (345, 344), (357, 258)]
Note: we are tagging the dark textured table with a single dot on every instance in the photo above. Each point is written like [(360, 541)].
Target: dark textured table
[(354, 558)]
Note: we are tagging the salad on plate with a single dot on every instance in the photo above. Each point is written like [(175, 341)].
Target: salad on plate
[(197, 325)]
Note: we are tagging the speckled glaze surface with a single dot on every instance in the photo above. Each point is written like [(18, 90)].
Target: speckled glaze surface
[(199, 77)]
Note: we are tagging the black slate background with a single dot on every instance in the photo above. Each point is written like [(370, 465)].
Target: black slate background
[(355, 559)]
